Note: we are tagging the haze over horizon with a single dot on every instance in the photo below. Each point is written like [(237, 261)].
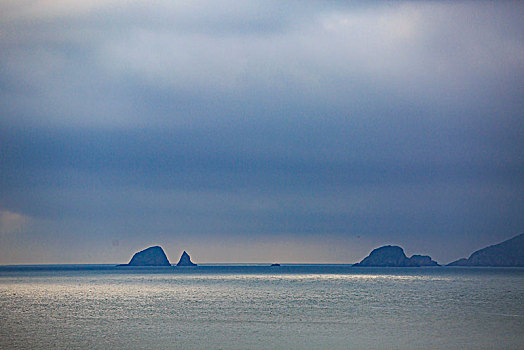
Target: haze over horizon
[(259, 131)]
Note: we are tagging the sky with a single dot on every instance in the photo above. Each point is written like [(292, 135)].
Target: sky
[(259, 131)]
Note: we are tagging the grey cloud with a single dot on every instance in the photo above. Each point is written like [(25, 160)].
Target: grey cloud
[(333, 57)]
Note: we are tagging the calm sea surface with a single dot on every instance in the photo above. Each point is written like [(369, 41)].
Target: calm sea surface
[(261, 307)]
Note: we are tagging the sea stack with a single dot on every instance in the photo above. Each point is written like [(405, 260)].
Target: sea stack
[(185, 260), (152, 256), (394, 256)]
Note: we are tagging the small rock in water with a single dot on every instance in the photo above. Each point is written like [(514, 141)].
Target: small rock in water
[(185, 260)]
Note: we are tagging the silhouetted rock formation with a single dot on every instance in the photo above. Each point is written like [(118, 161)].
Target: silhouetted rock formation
[(422, 260), (393, 256), (152, 256), (459, 262), (507, 253), (275, 264), (185, 260)]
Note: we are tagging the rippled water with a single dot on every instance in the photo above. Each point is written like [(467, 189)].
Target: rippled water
[(258, 307)]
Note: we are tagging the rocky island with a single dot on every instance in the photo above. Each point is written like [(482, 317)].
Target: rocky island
[(505, 254), (185, 260), (152, 256), (394, 256)]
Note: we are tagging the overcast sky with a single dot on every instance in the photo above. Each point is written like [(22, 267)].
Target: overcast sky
[(259, 131)]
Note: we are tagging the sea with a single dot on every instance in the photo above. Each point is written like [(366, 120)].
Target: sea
[(260, 307)]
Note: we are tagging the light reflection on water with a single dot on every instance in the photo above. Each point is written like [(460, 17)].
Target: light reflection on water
[(262, 308)]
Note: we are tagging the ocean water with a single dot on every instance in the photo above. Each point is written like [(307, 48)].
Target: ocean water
[(260, 307)]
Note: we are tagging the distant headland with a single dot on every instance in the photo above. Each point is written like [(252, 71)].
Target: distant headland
[(505, 254)]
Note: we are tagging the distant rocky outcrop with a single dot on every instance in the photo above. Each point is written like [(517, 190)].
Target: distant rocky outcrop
[(422, 260), (275, 264), (185, 260), (507, 253), (394, 256), (152, 256)]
